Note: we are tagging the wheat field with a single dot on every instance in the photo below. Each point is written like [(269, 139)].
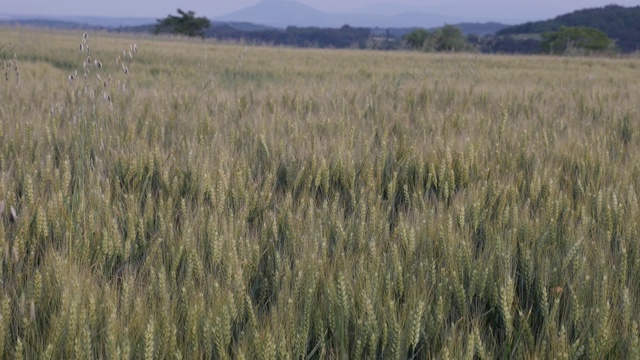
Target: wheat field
[(196, 200)]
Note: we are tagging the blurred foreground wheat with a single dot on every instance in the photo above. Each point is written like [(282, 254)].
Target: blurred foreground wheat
[(213, 201)]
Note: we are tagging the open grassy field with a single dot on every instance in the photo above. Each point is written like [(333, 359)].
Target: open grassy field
[(218, 201)]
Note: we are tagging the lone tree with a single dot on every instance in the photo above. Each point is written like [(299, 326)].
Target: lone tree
[(185, 24)]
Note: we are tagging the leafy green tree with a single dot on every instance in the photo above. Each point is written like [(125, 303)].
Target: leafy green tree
[(185, 24), (451, 38), (447, 38), (569, 39), (417, 38)]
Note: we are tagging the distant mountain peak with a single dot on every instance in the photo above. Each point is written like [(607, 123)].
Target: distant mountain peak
[(283, 13)]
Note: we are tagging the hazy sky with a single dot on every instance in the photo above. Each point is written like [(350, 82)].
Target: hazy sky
[(491, 9)]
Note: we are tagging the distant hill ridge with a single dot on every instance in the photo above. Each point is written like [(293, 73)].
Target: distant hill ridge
[(283, 13), (618, 22)]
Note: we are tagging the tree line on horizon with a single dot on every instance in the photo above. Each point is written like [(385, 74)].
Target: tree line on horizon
[(581, 32)]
